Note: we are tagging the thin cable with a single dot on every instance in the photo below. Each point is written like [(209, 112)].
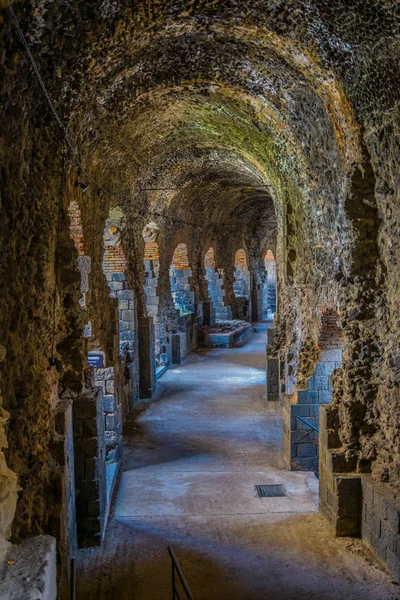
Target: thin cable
[(74, 151), (52, 358), (206, 187), (49, 101)]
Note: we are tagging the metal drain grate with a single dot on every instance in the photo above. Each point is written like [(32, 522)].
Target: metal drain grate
[(270, 491)]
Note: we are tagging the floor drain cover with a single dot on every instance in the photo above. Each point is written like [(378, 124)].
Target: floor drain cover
[(270, 491)]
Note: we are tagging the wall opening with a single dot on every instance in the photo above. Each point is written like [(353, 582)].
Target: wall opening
[(269, 288), (215, 285), (241, 285), (301, 423), (88, 420), (152, 273), (180, 275)]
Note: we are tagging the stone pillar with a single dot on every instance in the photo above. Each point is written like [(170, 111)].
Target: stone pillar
[(273, 379), (208, 313), (300, 440), (8, 481), (64, 521), (340, 489), (273, 370), (256, 304), (90, 464), (147, 359)]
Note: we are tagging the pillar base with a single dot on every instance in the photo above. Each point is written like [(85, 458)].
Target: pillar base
[(352, 502)]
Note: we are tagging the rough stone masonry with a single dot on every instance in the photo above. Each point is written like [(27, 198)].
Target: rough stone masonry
[(251, 125)]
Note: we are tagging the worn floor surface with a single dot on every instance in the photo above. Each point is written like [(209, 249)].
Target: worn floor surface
[(192, 459)]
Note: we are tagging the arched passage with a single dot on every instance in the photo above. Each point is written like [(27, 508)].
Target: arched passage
[(241, 286), (210, 116), (180, 275), (152, 271), (269, 289), (302, 426), (215, 285)]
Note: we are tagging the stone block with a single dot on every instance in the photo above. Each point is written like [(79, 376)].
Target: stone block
[(273, 379), (307, 450), (304, 464), (349, 493), (338, 462), (325, 369), (103, 374), (314, 410), (300, 410), (126, 336), (324, 396), (125, 295), (347, 527), (93, 508), (118, 277), (332, 356), (110, 422), (89, 428), (110, 438), (128, 315), (304, 436), (307, 397), (123, 305), (317, 383), (116, 286), (84, 264), (109, 386), (90, 468)]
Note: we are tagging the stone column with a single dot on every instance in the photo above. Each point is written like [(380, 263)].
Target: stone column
[(90, 465), (273, 370), (147, 359)]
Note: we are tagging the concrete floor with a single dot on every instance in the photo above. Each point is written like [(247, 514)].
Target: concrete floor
[(192, 459)]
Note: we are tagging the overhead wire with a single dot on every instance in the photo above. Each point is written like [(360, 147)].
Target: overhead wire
[(75, 154)]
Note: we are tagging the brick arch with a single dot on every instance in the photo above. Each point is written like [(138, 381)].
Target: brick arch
[(215, 287), (241, 258), (76, 226), (268, 255), (331, 334), (114, 259), (269, 291), (241, 285), (302, 441), (151, 258), (209, 258), (180, 275), (180, 258)]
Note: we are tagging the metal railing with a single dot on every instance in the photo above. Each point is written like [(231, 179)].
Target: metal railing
[(176, 570), (309, 424), (73, 580)]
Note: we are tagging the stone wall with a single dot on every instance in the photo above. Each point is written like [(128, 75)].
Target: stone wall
[(301, 410), (269, 292), (153, 300), (291, 117), (90, 465), (300, 440), (181, 290), (216, 293), (104, 378)]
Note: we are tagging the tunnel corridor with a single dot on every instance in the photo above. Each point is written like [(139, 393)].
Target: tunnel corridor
[(174, 173), (192, 459)]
